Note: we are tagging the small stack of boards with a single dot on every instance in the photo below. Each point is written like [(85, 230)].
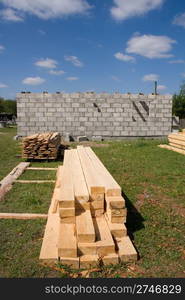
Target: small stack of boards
[(86, 218), (176, 142), (41, 146)]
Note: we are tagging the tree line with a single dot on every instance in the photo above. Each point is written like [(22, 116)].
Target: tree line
[(8, 106)]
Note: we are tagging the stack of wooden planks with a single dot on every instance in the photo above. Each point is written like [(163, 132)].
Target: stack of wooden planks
[(176, 142), (86, 218), (41, 146)]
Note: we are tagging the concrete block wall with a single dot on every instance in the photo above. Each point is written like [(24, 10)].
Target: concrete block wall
[(90, 114)]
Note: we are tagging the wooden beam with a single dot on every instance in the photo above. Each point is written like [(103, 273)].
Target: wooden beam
[(93, 180), (66, 191), (67, 243), (89, 261), (112, 188), (49, 253), (22, 216), (117, 230), (172, 148), (126, 250), (41, 169), (34, 181), (105, 243), (14, 174), (110, 259), (175, 141), (6, 182), (80, 188), (177, 136), (85, 228)]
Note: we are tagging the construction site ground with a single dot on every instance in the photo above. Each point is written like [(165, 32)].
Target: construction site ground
[(153, 181)]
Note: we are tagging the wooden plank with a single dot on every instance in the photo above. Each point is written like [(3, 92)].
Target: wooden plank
[(117, 230), (66, 212), (89, 261), (96, 205), (85, 228), (105, 243), (67, 242), (80, 188), (14, 174), (48, 251), (118, 212), (111, 186), (97, 212), (74, 263), (172, 148), (59, 176), (87, 249), (35, 181), (41, 169), (177, 136), (66, 192), (6, 182), (68, 220), (82, 206), (179, 146), (175, 141), (93, 180), (110, 259), (22, 216), (126, 250), (115, 202)]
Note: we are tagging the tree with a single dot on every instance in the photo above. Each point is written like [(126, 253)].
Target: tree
[(179, 103), (8, 106)]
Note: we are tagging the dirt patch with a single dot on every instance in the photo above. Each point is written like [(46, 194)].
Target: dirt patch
[(159, 199)]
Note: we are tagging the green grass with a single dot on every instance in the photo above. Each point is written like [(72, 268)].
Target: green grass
[(28, 198), (153, 181)]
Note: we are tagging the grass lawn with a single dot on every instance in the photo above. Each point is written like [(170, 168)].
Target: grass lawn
[(153, 181)]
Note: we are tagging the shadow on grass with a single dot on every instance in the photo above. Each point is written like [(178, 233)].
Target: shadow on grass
[(134, 218)]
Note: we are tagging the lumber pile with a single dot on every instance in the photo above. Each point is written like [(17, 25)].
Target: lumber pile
[(176, 142), (41, 146), (86, 218)]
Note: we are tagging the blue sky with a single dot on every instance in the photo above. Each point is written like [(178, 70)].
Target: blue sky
[(86, 45)]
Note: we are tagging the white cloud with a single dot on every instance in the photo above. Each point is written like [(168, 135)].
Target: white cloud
[(150, 46), (1, 48), (42, 32), (12, 15), (177, 61), (47, 9), (56, 72), (115, 78), (124, 9), (72, 78), (74, 60), (161, 87), (2, 85), (179, 20), (183, 75), (124, 57), (151, 77), (47, 63), (33, 80)]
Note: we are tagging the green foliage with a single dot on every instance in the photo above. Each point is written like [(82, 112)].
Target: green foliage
[(8, 106), (179, 103)]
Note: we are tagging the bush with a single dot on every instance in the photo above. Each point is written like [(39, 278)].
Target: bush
[(179, 103)]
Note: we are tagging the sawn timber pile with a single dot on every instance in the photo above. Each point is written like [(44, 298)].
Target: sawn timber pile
[(41, 146), (176, 142), (86, 218)]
